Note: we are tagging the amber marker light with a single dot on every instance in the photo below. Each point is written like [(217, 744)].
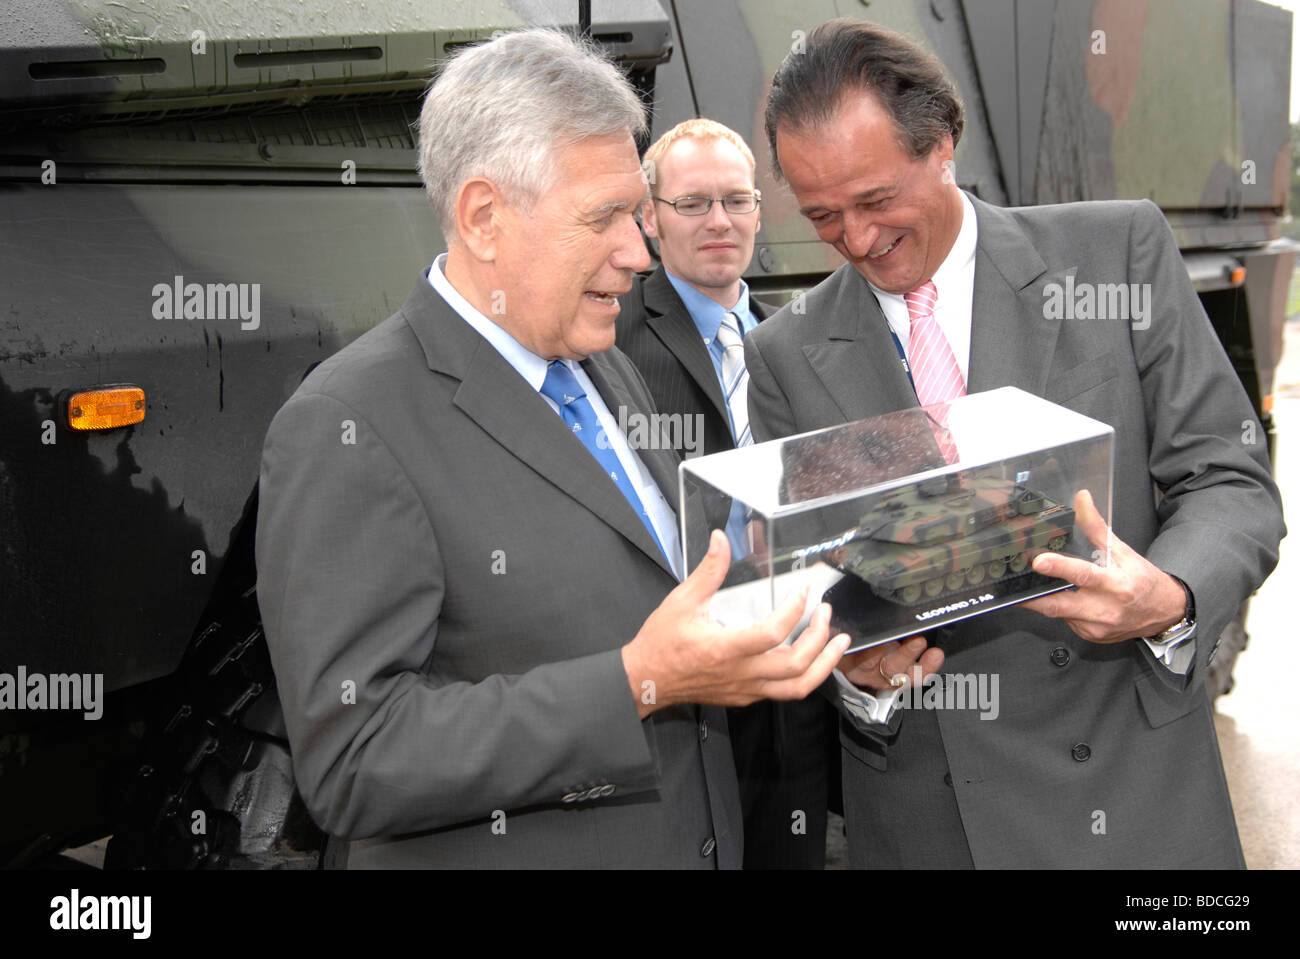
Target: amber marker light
[(106, 408), (1237, 276)]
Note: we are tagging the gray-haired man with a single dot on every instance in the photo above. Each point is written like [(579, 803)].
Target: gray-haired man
[(472, 606)]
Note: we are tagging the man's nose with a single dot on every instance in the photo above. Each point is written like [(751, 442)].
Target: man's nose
[(631, 252), (717, 217), (860, 233)]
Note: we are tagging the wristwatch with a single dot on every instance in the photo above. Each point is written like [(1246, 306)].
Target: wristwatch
[(1181, 631)]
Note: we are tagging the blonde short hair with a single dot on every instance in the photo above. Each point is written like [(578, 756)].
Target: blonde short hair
[(700, 128)]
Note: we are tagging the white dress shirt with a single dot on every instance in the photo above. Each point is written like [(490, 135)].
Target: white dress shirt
[(954, 283)]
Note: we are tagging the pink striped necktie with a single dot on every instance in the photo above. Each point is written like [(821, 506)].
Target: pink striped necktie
[(935, 372), (934, 367)]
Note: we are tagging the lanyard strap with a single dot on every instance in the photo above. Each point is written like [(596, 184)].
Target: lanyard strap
[(902, 356)]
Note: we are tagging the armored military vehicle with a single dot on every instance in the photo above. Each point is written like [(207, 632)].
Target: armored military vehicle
[(915, 546), (200, 201)]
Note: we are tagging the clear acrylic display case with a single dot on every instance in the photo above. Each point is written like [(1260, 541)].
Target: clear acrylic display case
[(903, 522)]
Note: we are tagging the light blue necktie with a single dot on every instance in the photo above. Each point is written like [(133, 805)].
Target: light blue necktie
[(735, 378), (563, 387)]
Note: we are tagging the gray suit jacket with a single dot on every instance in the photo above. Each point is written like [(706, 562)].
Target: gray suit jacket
[(1189, 493), (447, 577)]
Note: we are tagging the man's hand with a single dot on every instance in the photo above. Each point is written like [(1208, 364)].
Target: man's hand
[(870, 666), (680, 655), (1127, 599)]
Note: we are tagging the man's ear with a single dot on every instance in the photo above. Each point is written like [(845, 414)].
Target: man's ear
[(478, 205), (648, 221), (945, 149)]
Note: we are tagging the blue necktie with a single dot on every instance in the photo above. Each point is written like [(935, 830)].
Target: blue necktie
[(563, 387)]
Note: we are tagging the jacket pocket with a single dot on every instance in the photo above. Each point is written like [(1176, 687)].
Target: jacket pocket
[(1077, 380), (1162, 703), (866, 749)]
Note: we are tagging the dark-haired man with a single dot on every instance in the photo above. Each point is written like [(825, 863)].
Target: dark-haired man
[(1104, 751)]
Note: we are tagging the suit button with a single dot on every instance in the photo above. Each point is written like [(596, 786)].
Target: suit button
[(947, 779), (707, 849), (607, 790), (571, 797), (704, 731), (1060, 656), (1081, 752)]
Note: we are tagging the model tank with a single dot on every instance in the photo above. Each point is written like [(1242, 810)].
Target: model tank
[(919, 544)]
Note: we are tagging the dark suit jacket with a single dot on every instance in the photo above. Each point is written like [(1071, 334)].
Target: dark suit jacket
[(447, 577), (657, 333), (1189, 493)]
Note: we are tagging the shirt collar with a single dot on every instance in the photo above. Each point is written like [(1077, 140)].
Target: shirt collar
[(525, 362), (708, 313)]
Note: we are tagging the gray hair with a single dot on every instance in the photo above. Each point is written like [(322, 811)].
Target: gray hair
[(504, 109)]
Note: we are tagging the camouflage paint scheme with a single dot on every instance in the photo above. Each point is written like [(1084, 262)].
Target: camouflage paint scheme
[(918, 546)]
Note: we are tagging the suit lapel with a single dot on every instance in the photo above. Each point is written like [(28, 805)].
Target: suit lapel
[(668, 317), (498, 399), (1011, 341), (857, 361)]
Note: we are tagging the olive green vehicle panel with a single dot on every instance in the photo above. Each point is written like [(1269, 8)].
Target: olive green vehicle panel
[(181, 52), (83, 262)]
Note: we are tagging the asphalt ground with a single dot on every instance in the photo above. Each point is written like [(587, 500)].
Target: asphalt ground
[(1259, 721)]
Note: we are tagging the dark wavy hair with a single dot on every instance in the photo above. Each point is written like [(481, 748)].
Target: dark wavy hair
[(844, 56)]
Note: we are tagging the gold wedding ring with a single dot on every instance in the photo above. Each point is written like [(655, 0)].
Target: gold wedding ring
[(894, 681)]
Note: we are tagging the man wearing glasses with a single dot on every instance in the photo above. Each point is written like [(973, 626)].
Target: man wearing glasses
[(683, 327)]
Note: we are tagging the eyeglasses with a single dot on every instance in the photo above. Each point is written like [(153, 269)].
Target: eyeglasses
[(700, 205)]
